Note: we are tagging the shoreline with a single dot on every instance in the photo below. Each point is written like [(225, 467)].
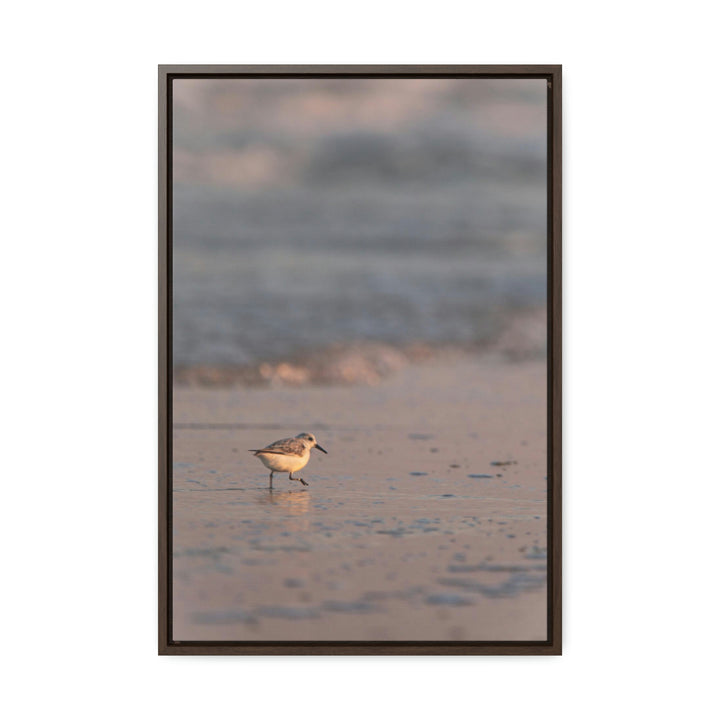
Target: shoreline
[(521, 339)]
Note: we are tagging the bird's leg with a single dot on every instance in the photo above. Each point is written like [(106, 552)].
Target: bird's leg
[(272, 472), (298, 479)]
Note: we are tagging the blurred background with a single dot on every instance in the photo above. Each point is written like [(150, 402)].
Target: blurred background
[(312, 215)]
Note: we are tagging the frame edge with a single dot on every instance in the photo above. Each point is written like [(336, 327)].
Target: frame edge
[(163, 358), (165, 76)]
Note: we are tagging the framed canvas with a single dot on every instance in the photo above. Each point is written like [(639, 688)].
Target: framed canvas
[(360, 359)]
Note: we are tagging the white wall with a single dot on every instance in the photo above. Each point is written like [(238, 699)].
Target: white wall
[(78, 365)]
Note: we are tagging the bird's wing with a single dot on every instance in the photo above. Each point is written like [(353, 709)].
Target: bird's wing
[(286, 446)]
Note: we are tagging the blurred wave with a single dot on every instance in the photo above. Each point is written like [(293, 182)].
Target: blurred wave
[(311, 214)]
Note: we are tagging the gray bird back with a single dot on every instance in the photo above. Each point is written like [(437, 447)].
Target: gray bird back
[(286, 446)]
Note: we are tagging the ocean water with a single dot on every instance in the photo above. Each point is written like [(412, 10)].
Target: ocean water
[(292, 235)]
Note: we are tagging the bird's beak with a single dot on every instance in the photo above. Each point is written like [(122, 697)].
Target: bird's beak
[(321, 449)]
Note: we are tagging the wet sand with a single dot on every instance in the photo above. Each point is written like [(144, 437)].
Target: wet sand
[(426, 520)]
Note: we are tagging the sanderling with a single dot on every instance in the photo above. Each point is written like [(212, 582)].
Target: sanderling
[(288, 455)]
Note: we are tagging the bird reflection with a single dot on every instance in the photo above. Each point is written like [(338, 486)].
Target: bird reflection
[(294, 502)]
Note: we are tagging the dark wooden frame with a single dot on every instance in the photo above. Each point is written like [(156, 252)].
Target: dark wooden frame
[(552, 646)]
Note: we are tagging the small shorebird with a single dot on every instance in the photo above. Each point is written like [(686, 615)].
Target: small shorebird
[(288, 455)]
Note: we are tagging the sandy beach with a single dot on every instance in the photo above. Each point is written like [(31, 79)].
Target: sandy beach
[(426, 521)]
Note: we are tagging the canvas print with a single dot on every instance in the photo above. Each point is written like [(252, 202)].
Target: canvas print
[(359, 359)]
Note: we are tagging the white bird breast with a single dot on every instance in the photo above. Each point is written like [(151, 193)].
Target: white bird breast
[(284, 463)]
